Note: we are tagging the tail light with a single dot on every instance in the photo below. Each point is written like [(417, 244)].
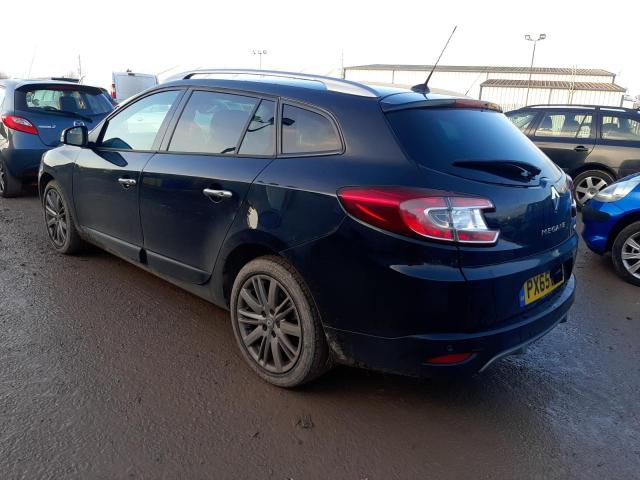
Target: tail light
[(19, 124), (421, 213), (113, 91)]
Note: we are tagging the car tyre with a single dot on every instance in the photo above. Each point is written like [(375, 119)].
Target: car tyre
[(59, 222), (9, 185), (288, 350), (626, 254), (589, 183)]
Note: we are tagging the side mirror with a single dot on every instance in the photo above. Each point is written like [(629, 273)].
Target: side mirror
[(76, 136)]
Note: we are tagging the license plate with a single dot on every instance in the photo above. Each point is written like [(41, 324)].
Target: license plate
[(540, 286)]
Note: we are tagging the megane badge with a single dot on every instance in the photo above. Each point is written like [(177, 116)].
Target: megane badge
[(555, 198)]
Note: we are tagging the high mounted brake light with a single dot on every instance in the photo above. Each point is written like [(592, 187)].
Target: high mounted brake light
[(444, 103), (422, 213), (461, 103)]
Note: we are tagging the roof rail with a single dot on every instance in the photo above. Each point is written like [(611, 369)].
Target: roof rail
[(330, 83), (577, 105)]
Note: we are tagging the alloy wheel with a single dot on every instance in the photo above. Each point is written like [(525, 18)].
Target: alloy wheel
[(269, 324), (589, 188), (55, 217), (631, 255)]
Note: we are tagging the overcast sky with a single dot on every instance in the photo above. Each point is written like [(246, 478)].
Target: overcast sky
[(307, 36)]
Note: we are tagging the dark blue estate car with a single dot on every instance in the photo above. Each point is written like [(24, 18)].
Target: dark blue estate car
[(390, 229), (33, 114)]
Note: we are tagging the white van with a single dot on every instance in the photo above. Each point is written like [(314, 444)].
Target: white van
[(127, 84)]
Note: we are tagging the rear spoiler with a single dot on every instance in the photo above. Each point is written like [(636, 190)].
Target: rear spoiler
[(443, 103), (58, 86)]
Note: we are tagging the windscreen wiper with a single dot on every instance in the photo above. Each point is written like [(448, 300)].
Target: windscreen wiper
[(513, 168)]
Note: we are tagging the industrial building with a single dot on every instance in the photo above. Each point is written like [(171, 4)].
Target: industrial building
[(506, 86)]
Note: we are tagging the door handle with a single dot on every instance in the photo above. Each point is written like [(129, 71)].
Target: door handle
[(581, 148), (217, 194), (126, 182)]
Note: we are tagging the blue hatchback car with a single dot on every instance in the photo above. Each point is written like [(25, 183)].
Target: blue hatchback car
[(391, 229), (612, 224), (33, 115)]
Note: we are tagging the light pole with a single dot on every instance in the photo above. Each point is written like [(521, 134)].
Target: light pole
[(260, 53), (542, 36)]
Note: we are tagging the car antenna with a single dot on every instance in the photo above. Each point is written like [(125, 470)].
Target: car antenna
[(424, 87)]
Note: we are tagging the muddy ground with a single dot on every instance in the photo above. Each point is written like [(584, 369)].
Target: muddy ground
[(109, 372)]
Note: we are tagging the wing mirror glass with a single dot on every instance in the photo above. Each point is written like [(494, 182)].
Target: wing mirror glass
[(76, 136)]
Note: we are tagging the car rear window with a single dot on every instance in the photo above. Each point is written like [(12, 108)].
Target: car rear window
[(439, 137), (83, 101)]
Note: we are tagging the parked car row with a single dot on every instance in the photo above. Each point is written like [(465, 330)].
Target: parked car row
[(392, 229), (33, 114), (597, 146)]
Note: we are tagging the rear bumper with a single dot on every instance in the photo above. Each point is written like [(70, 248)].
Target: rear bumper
[(408, 355), (24, 163)]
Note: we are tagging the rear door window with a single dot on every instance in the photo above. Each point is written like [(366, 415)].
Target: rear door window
[(619, 127), (305, 132), (260, 137), (1, 95), (136, 126), (522, 120), (569, 124), (63, 99), (212, 123)]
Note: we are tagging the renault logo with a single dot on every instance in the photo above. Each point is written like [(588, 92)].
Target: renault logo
[(555, 198), (78, 123)]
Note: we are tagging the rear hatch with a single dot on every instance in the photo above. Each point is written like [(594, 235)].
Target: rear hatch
[(52, 107), (479, 152)]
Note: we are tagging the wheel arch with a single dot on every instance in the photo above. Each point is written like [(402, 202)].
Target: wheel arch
[(44, 179), (623, 223), (593, 166), (239, 249)]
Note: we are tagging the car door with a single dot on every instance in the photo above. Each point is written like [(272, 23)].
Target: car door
[(618, 144), (192, 188), (566, 136), (107, 173)]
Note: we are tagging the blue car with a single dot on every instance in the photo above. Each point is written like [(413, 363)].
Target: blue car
[(391, 229), (33, 115), (612, 224)]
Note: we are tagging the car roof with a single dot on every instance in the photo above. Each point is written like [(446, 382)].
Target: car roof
[(287, 84)]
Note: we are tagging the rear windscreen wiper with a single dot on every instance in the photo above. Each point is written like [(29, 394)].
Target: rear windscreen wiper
[(512, 168), (66, 112)]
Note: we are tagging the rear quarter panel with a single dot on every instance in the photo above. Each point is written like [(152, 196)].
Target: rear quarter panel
[(294, 200), (621, 157)]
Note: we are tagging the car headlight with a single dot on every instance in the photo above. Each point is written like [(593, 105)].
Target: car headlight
[(618, 190)]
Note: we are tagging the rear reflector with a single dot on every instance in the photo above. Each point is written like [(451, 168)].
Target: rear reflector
[(19, 124), (421, 213), (574, 206), (450, 359)]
